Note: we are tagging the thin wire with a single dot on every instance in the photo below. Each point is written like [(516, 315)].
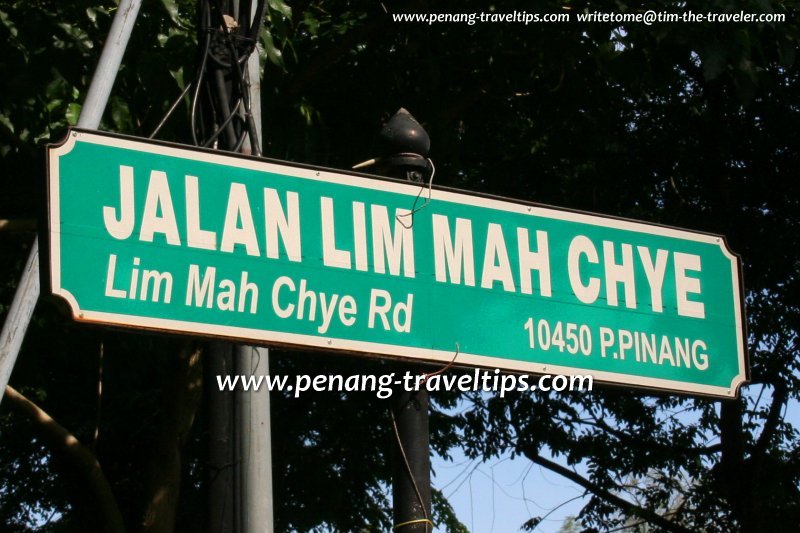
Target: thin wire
[(409, 472), (245, 85), (240, 142), (198, 84), (222, 126), (171, 110), (412, 522), (243, 82), (239, 125), (425, 377), (414, 208), (559, 506), (255, 25)]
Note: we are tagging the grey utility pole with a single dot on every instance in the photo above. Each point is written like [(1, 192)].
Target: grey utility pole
[(240, 455), (405, 145), (27, 293), (253, 407)]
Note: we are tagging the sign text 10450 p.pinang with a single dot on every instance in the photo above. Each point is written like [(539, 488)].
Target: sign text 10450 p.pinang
[(159, 236)]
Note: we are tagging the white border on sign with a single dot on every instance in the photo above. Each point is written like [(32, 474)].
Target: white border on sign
[(327, 176)]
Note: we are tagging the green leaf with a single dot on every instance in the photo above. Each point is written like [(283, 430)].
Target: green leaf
[(54, 104), (274, 54), (6, 123), (8, 23), (307, 111), (171, 7), (73, 113), (121, 115), (311, 23), (280, 7)]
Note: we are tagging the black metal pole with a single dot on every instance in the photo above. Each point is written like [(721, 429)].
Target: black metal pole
[(411, 481), (405, 148)]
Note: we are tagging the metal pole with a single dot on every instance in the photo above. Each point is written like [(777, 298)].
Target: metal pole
[(240, 434), (254, 445), (108, 66), (223, 468), (221, 458), (27, 294), (411, 480), (254, 431), (407, 145)]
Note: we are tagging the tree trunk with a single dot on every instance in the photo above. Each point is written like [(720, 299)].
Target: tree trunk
[(735, 476), (76, 457), (180, 399)]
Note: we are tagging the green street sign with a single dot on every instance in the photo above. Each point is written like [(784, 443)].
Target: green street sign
[(153, 235)]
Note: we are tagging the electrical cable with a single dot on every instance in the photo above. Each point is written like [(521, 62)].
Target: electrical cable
[(414, 208), (221, 127), (244, 86), (255, 26), (237, 124), (171, 109), (199, 83), (224, 98), (225, 52)]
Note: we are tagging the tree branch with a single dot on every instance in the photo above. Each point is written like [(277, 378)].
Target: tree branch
[(23, 225), (779, 397), (735, 479), (64, 444), (629, 438), (626, 506)]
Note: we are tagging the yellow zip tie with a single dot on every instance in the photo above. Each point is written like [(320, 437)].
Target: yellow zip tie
[(412, 522)]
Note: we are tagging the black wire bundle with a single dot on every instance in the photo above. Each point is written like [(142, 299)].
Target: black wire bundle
[(220, 110)]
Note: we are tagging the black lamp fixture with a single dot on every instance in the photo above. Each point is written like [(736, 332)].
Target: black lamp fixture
[(404, 145)]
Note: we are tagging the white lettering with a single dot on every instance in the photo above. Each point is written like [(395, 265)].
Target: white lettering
[(246, 289), (579, 246), (277, 221), (157, 278), (197, 291), (327, 307), (121, 227), (379, 309), (331, 256), (394, 247), (360, 236), (496, 266), (195, 236), (110, 272), (453, 257), (159, 199), (238, 210), (684, 285), (619, 273), (538, 260), (655, 275), (283, 281)]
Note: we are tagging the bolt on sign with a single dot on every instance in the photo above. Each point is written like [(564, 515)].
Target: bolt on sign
[(153, 235)]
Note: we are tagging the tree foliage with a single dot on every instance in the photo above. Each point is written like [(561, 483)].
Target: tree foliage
[(691, 125)]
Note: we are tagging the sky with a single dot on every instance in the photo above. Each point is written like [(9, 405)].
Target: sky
[(502, 494)]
